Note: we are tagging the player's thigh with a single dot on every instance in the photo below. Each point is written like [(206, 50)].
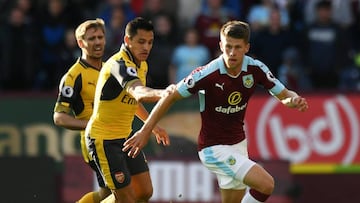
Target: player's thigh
[(142, 185), (95, 167), (259, 179), (229, 163), (112, 162), (124, 195), (140, 176), (231, 195)]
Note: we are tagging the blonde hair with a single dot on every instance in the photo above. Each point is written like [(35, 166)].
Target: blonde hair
[(83, 27)]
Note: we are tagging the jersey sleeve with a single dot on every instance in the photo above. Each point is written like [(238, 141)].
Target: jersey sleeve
[(124, 73), (69, 90), (184, 85), (268, 80), (191, 84)]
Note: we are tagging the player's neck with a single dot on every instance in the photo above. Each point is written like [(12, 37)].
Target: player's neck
[(234, 71), (94, 62)]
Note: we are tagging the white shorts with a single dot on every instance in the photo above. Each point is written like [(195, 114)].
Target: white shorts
[(230, 164)]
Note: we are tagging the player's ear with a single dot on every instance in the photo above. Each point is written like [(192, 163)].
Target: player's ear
[(221, 47), (247, 47), (126, 39), (80, 43)]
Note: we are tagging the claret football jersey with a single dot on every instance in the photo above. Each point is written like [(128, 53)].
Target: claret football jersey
[(223, 98)]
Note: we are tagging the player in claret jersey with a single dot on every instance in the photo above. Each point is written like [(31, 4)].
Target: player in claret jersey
[(225, 86)]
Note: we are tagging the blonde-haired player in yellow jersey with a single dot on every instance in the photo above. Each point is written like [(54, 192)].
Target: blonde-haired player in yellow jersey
[(119, 92), (74, 104)]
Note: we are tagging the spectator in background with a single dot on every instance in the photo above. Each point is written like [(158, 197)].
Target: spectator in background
[(160, 55), (269, 44), (115, 30), (137, 6), (105, 10), (258, 16), (28, 8), (18, 52), (209, 22), (350, 76), (291, 71), (85, 9), (324, 48), (233, 6), (296, 15), (341, 12), (187, 12), (188, 55), (152, 8), (69, 52), (54, 22)]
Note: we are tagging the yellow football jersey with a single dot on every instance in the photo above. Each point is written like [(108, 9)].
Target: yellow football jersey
[(76, 94), (114, 107)]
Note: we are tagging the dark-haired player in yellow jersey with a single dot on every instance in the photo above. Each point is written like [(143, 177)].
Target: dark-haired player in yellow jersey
[(119, 93), (74, 104)]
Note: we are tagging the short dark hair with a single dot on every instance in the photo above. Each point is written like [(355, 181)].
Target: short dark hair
[(138, 23), (236, 29)]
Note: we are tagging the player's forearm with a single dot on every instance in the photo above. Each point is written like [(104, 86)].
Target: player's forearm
[(157, 112), (141, 112), (286, 97), (69, 122), (145, 94), (292, 100)]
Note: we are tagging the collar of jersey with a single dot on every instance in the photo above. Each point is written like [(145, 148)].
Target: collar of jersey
[(86, 64), (221, 64), (127, 51)]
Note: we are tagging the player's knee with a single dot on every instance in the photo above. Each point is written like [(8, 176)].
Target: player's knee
[(268, 186)]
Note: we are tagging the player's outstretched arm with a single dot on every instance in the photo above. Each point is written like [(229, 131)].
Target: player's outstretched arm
[(134, 144), (160, 134), (292, 100)]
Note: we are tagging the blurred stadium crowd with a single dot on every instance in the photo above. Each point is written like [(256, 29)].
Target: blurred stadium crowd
[(309, 44)]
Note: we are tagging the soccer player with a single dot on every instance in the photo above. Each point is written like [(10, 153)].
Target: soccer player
[(118, 96), (76, 93), (225, 86)]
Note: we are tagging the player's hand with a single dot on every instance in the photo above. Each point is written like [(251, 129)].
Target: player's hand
[(134, 144), (161, 136), (169, 90), (299, 103)]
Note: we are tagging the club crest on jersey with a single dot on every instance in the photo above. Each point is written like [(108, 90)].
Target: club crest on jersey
[(119, 176), (270, 76), (189, 81), (231, 161), (248, 80), (67, 91), (131, 71)]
